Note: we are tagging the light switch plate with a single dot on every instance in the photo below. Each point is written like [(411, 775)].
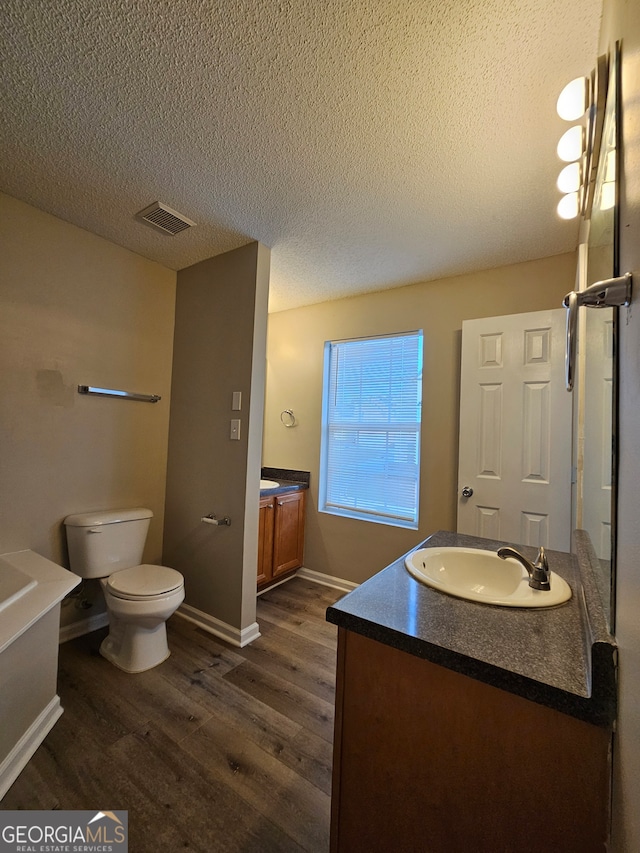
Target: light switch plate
[(234, 432), (236, 405)]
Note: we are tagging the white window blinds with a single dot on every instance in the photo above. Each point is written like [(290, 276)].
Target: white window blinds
[(371, 430)]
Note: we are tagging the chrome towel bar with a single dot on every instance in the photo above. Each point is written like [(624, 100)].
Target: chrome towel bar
[(612, 292), (125, 395)]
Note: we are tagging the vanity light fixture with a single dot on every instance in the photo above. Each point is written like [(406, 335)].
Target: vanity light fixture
[(581, 100)]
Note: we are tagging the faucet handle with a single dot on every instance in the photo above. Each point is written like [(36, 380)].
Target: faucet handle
[(541, 560), (541, 576)]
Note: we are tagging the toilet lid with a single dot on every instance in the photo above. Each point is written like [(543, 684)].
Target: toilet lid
[(144, 581)]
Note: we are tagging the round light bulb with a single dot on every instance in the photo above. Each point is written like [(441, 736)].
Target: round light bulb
[(610, 166), (570, 178), (568, 206), (608, 197), (571, 144), (572, 103)]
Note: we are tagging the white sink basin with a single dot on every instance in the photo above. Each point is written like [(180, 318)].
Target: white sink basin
[(268, 484), (482, 576)]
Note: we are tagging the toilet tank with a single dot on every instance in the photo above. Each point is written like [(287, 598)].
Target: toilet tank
[(101, 543)]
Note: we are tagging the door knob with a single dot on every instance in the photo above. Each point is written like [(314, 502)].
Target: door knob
[(467, 491)]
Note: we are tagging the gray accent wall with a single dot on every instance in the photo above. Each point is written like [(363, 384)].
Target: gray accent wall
[(219, 348)]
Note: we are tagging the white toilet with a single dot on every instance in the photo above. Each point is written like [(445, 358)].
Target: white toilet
[(140, 598)]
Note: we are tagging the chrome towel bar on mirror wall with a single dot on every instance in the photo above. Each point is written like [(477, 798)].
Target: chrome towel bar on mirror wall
[(125, 395), (609, 293)]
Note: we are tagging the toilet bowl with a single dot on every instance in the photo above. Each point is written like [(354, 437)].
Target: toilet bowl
[(137, 637), (139, 597)]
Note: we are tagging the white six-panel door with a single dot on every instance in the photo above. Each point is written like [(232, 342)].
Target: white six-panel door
[(597, 454), (515, 430)]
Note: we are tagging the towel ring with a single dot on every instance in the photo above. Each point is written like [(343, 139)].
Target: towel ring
[(288, 418)]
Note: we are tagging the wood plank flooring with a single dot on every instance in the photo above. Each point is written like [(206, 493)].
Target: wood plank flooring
[(217, 749)]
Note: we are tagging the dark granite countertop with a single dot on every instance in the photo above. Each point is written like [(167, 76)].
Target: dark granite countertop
[(562, 657), (288, 481)]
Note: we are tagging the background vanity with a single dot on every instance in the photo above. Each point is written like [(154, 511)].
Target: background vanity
[(281, 525)]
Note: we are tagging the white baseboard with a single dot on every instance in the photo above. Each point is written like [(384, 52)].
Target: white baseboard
[(274, 585), (235, 636), (16, 761), (326, 580), (83, 626)]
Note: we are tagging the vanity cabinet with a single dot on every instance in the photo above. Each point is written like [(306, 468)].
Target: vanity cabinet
[(265, 539), (429, 759), (281, 535)]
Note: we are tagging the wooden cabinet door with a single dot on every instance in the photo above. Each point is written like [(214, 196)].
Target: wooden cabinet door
[(452, 759), (288, 543), (265, 539)]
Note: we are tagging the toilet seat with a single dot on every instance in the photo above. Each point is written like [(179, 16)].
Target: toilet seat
[(143, 583)]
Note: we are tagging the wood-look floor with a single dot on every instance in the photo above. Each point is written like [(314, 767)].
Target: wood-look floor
[(216, 749)]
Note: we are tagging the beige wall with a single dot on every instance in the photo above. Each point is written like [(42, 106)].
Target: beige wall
[(219, 347), (76, 309), (350, 549), (621, 20)]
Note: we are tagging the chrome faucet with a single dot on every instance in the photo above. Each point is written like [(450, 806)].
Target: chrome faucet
[(539, 572)]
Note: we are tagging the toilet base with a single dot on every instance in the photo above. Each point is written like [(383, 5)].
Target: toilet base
[(134, 648)]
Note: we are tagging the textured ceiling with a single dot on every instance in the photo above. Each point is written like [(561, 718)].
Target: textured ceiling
[(369, 144)]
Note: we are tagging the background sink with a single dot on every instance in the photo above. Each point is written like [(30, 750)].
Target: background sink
[(482, 576), (268, 484)]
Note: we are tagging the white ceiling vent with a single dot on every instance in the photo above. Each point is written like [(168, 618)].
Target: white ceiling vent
[(164, 218)]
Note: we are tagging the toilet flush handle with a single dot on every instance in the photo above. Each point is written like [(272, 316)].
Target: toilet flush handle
[(94, 530)]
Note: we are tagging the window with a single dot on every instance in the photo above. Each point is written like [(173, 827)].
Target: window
[(370, 451)]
